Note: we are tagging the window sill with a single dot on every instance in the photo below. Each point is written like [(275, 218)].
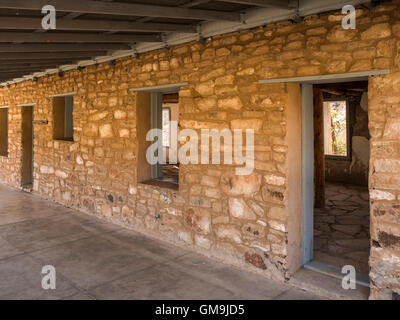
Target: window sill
[(161, 184), (340, 158)]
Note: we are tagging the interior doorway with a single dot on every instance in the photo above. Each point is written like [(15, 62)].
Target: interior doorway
[(309, 184), (341, 168), (304, 179), (27, 146)]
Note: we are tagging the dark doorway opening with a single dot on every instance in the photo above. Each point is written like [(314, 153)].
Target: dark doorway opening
[(27, 146)]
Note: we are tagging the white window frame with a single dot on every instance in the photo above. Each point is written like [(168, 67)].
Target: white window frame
[(347, 157)]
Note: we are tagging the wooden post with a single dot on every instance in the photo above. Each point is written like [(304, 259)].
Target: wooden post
[(319, 151)]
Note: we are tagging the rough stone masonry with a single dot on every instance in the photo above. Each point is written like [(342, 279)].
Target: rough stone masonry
[(254, 220)]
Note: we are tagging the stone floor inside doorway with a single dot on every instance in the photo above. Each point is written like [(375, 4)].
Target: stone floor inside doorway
[(341, 229)]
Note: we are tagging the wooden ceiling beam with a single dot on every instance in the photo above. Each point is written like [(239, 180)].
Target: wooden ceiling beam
[(31, 62), (55, 37), (57, 47), (21, 23), (51, 55), (283, 4), (122, 9), (26, 70)]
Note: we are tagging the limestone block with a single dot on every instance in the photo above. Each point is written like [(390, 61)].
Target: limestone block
[(205, 104), (199, 220), (338, 34), (272, 194), (228, 232), (392, 128), (91, 130), (277, 225), (46, 170), (206, 88), (274, 180), (185, 237), (243, 124), (124, 133), (209, 181), (253, 230), (98, 116), (119, 114), (106, 131), (230, 103), (381, 195), (387, 165), (239, 209), (61, 174), (377, 31), (241, 185)]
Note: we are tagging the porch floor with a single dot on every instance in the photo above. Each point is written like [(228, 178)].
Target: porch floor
[(341, 230), (98, 260)]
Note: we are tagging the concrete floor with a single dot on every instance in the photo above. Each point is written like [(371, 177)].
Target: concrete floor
[(98, 260)]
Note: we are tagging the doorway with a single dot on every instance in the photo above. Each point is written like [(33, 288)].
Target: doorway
[(27, 146), (301, 172), (337, 233), (341, 168)]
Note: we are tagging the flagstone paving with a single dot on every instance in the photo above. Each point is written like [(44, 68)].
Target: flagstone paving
[(342, 228)]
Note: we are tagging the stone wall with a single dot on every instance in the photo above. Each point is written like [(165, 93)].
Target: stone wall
[(251, 220), (384, 116), (10, 166)]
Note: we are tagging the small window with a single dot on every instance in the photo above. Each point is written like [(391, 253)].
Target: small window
[(336, 129), (158, 110), (63, 118), (4, 132)]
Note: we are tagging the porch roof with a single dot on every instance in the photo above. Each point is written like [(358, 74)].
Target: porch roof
[(89, 32)]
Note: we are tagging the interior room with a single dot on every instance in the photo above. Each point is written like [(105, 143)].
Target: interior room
[(341, 214)]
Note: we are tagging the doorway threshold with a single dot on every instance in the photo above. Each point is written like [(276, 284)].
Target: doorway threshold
[(326, 286), (336, 272)]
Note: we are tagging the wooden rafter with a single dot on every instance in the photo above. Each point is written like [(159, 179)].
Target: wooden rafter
[(122, 9)]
